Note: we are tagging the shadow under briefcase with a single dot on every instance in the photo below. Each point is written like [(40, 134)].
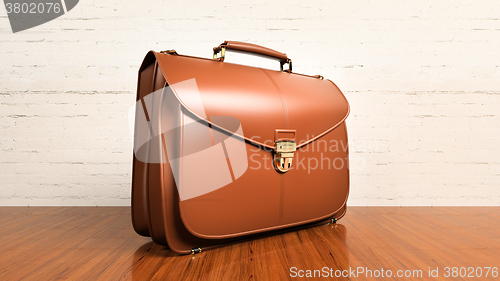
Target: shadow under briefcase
[(225, 152)]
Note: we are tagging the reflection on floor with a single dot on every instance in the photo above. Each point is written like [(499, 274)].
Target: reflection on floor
[(99, 244)]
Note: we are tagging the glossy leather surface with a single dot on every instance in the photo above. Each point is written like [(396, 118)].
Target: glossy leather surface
[(140, 208), (261, 200), (262, 100)]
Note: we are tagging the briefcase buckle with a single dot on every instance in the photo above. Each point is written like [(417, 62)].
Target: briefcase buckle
[(284, 155)]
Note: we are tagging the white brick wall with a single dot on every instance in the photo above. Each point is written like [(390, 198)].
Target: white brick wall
[(422, 77), (65, 148)]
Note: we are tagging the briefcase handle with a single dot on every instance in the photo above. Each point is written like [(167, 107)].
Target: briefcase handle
[(253, 49)]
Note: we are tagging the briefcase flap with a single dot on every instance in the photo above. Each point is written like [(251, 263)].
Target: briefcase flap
[(262, 100), (223, 197)]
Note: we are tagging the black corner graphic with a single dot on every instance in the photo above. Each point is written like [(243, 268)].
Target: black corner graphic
[(70, 4), (25, 14)]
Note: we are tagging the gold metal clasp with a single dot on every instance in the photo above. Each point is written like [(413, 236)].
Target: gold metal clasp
[(284, 155), (170, 52), (222, 53), (195, 250), (283, 62)]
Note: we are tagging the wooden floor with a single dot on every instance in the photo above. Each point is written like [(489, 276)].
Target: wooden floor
[(98, 243)]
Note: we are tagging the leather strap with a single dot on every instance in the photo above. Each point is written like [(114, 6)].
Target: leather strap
[(251, 48)]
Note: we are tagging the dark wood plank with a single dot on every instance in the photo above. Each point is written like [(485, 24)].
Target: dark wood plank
[(98, 243)]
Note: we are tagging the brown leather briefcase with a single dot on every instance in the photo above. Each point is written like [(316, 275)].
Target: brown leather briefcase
[(225, 152)]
